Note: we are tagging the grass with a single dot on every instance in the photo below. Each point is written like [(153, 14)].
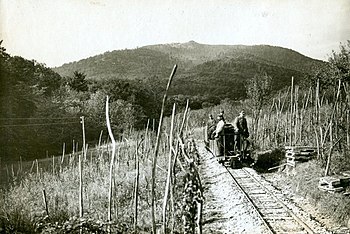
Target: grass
[(22, 207), (304, 182)]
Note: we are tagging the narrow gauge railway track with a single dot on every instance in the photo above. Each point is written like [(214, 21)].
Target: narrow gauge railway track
[(275, 215)]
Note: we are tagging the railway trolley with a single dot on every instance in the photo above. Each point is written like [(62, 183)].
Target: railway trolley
[(227, 148)]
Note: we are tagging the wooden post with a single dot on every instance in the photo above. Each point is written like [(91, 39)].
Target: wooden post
[(154, 165), (83, 128), (291, 114), (168, 181), (37, 167), (63, 154), (347, 129), (317, 101), (146, 138), (31, 168), (330, 150), (99, 144), (296, 114), (199, 217), (45, 203), (136, 188), (112, 161), (81, 203), (53, 165), (20, 164)]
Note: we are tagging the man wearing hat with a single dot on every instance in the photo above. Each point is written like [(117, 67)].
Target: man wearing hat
[(241, 131), (218, 134)]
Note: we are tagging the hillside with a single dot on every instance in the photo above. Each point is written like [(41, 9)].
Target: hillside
[(203, 69)]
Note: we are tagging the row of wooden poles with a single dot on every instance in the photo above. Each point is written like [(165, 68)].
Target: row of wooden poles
[(174, 148), (309, 119)]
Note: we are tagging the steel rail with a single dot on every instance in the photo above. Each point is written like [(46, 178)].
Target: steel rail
[(266, 224), (296, 218), (268, 192)]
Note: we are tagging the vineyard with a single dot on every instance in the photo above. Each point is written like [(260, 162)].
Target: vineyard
[(149, 180)]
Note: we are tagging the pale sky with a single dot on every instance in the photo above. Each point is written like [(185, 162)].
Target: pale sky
[(60, 31)]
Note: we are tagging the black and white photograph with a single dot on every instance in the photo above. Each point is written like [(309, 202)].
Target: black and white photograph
[(169, 117)]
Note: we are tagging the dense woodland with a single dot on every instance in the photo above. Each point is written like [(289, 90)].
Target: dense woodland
[(41, 107)]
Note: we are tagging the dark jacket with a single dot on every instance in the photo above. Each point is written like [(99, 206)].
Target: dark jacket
[(241, 126)]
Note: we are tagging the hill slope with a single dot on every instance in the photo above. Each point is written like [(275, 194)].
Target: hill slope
[(217, 70)]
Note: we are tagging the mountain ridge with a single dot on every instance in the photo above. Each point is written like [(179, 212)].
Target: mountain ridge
[(196, 61)]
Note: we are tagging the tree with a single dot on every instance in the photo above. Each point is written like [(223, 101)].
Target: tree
[(340, 62), (258, 91), (78, 82)]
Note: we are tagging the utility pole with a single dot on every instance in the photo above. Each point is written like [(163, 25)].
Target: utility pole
[(83, 127), (81, 171)]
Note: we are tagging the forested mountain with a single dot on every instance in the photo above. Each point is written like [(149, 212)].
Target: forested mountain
[(206, 72)]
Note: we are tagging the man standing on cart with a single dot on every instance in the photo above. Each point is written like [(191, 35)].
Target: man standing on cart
[(241, 133), (219, 134)]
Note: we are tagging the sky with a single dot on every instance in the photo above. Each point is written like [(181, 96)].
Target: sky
[(55, 32)]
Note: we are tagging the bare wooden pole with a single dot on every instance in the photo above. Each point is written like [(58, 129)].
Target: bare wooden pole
[(53, 165), (347, 129), (20, 164), (291, 114), (333, 111), (83, 128), (317, 101), (45, 203), (31, 168), (81, 203), (136, 192), (146, 137), (330, 150), (154, 166), (296, 113), (99, 143), (112, 161), (63, 155), (168, 182), (37, 167)]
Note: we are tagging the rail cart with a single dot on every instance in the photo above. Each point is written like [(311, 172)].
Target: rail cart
[(231, 155)]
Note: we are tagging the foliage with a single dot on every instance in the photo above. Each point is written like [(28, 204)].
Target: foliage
[(78, 225), (340, 62), (26, 94), (258, 90), (78, 82), (40, 110), (192, 196), (22, 208), (205, 70)]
